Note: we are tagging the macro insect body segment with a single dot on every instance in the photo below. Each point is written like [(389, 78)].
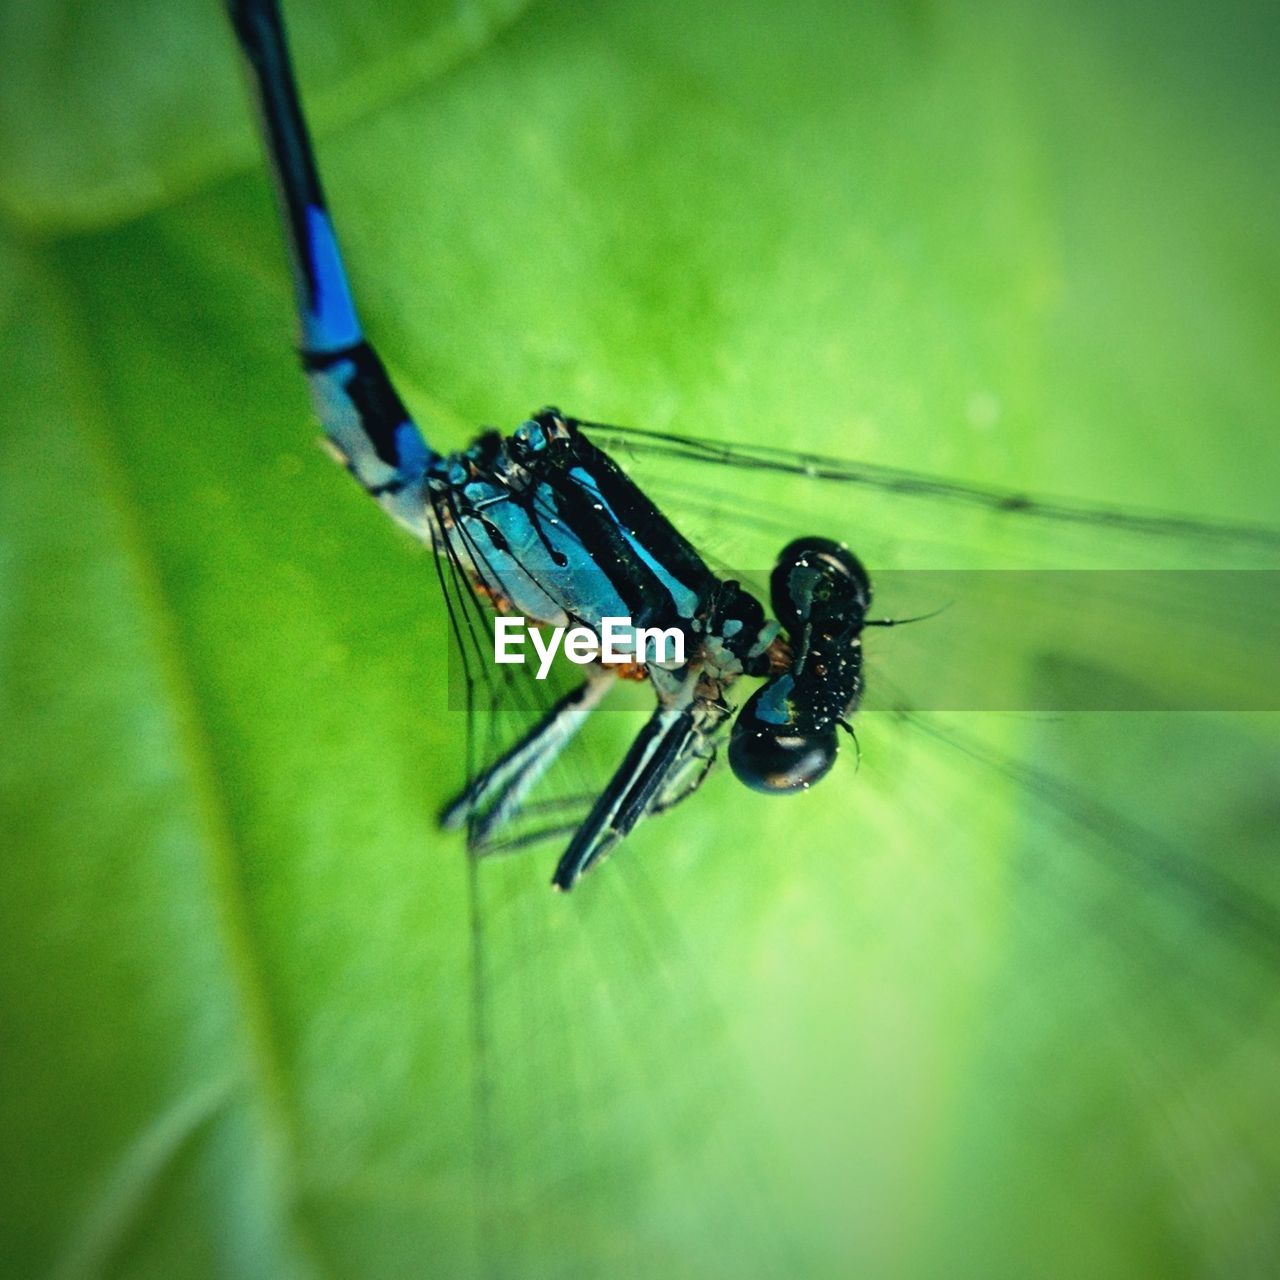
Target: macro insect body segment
[(820, 594), (549, 525)]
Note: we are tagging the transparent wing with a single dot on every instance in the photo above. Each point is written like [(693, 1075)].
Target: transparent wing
[(540, 751), (895, 518), (1054, 622), (1059, 837), (502, 704), (1005, 639)]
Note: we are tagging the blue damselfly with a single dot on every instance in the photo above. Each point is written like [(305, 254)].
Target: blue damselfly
[(548, 525), (954, 823)]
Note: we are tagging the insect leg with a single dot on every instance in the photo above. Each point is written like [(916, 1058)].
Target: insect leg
[(362, 414), (658, 749), (501, 788), (682, 788)]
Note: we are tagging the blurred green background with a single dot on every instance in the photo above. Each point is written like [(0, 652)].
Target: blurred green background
[(1001, 1003)]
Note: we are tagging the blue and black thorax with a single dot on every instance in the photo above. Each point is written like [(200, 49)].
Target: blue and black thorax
[(551, 527)]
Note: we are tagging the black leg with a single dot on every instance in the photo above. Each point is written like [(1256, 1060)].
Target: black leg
[(659, 749)]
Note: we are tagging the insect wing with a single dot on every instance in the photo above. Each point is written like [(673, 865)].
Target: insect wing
[(912, 519)]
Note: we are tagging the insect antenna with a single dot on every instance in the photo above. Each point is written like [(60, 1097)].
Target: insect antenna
[(902, 622)]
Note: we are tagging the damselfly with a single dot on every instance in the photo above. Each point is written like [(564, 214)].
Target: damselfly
[(547, 524), (1005, 972)]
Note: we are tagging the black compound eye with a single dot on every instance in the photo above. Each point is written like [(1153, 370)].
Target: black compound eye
[(777, 761), (817, 576), (770, 752)]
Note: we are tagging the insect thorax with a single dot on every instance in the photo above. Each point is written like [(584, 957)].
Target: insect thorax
[(546, 525)]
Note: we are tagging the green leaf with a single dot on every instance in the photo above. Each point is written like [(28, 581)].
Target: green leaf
[(1000, 1001), (108, 111)]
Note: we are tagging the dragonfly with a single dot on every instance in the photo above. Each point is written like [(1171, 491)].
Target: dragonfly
[(547, 523)]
